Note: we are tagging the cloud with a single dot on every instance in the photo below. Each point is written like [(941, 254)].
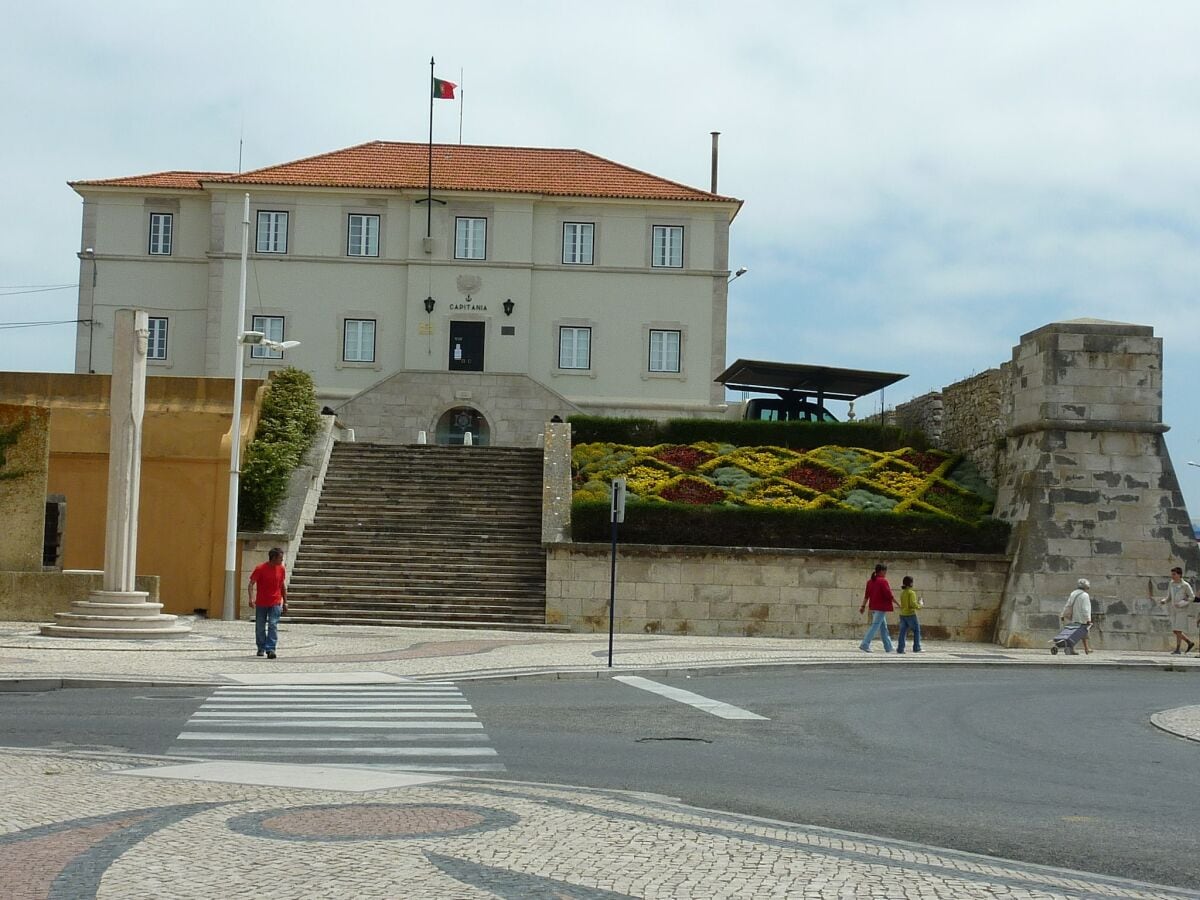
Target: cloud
[(924, 181)]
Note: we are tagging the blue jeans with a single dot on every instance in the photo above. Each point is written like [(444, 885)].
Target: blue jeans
[(266, 621), (907, 624), (878, 625)]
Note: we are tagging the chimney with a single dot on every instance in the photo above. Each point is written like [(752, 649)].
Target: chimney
[(716, 135)]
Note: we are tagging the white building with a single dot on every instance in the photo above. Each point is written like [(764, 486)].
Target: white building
[(537, 282)]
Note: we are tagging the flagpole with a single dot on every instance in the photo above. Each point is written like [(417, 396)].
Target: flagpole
[(429, 183), (461, 93)]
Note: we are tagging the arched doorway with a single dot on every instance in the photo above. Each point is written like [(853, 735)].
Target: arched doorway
[(456, 422)]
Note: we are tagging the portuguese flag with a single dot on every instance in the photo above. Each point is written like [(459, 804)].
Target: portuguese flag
[(443, 90)]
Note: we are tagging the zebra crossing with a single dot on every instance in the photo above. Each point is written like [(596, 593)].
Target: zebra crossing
[(425, 727)]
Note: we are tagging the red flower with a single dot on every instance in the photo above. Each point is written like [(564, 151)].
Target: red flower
[(683, 457), (814, 477), (926, 462), (693, 491)]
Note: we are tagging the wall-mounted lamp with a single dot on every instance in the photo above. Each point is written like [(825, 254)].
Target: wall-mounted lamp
[(509, 306), (738, 274), (429, 304)]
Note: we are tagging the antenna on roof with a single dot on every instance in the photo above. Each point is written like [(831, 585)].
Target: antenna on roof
[(241, 141)]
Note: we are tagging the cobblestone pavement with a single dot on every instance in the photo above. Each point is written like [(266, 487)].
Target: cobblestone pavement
[(217, 650), (77, 825)]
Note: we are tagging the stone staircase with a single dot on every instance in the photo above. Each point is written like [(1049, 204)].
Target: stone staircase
[(425, 536)]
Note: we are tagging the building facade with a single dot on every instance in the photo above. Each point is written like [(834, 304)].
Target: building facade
[(542, 281)]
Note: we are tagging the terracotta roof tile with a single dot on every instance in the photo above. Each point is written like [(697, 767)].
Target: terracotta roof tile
[(526, 170), (393, 165), (168, 180)]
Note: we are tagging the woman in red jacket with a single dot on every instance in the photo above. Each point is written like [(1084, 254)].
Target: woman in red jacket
[(879, 595)]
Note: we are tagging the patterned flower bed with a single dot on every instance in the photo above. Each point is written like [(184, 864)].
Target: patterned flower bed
[(827, 477)]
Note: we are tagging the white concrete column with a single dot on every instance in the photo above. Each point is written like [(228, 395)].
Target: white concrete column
[(127, 406)]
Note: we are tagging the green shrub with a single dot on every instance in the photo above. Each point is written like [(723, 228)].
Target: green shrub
[(792, 435), (831, 529), (286, 426)]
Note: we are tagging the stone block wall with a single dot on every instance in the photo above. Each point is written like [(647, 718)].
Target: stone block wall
[(975, 418), (924, 413), (757, 591), (24, 467), (1088, 485), (396, 409)]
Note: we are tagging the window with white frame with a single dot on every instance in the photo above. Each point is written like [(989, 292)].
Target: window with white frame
[(161, 232), (272, 329), (574, 347), (470, 238), (666, 250), (272, 231), (358, 341), (362, 235), (156, 345), (664, 351), (577, 243)]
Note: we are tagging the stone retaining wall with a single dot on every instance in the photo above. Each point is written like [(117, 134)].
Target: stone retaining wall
[(757, 591)]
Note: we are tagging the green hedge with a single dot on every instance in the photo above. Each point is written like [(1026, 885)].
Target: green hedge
[(826, 529), (741, 433), (285, 430)]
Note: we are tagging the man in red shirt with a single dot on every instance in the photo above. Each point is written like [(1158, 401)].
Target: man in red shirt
[(268, 597)]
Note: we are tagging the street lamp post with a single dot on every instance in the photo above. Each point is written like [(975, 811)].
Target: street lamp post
[(229, 608)]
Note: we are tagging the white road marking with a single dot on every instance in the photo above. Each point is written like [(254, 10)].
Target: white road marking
[(292, 753), (311, 714), (408, 727), (289, 678), (713, 707), (343, 723), (335, 778), (318, 736), (234, 707)]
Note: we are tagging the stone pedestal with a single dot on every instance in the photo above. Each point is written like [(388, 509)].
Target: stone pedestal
[(116, 614), (1088, 485), (120, 611)]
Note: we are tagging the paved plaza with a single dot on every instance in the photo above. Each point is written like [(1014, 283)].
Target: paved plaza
[(111, 825)]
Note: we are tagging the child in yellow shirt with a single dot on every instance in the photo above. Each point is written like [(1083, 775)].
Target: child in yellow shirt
[(909, 604)]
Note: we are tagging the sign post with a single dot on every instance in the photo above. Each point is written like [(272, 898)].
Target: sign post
[(616, 514)]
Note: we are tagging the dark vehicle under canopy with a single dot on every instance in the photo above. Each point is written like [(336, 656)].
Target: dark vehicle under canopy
[(802, 389)]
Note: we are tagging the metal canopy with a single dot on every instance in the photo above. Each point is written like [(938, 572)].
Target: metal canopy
[(796, 379)]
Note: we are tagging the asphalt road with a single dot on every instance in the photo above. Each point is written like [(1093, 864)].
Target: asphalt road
[(1060, 767), (1049, 766)]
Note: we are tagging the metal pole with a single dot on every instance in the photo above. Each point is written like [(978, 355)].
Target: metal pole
[(612, 587), (429, 181), (229, 609)]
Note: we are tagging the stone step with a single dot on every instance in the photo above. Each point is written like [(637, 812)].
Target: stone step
[(133, 623), (399, 541), (117, 610), (492, 581), (416, 594), (330, 574), (401, 532), (489, 607), (333, 619), (428, 615), (145, 634)]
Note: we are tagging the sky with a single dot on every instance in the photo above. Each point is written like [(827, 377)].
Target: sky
[(924, 182)]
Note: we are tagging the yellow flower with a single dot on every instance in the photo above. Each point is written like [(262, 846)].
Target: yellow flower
[(898, 482)]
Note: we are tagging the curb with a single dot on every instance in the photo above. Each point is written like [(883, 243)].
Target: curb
[(46, 684)]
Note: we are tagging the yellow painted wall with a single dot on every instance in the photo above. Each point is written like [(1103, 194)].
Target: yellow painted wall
[(185, 475)]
